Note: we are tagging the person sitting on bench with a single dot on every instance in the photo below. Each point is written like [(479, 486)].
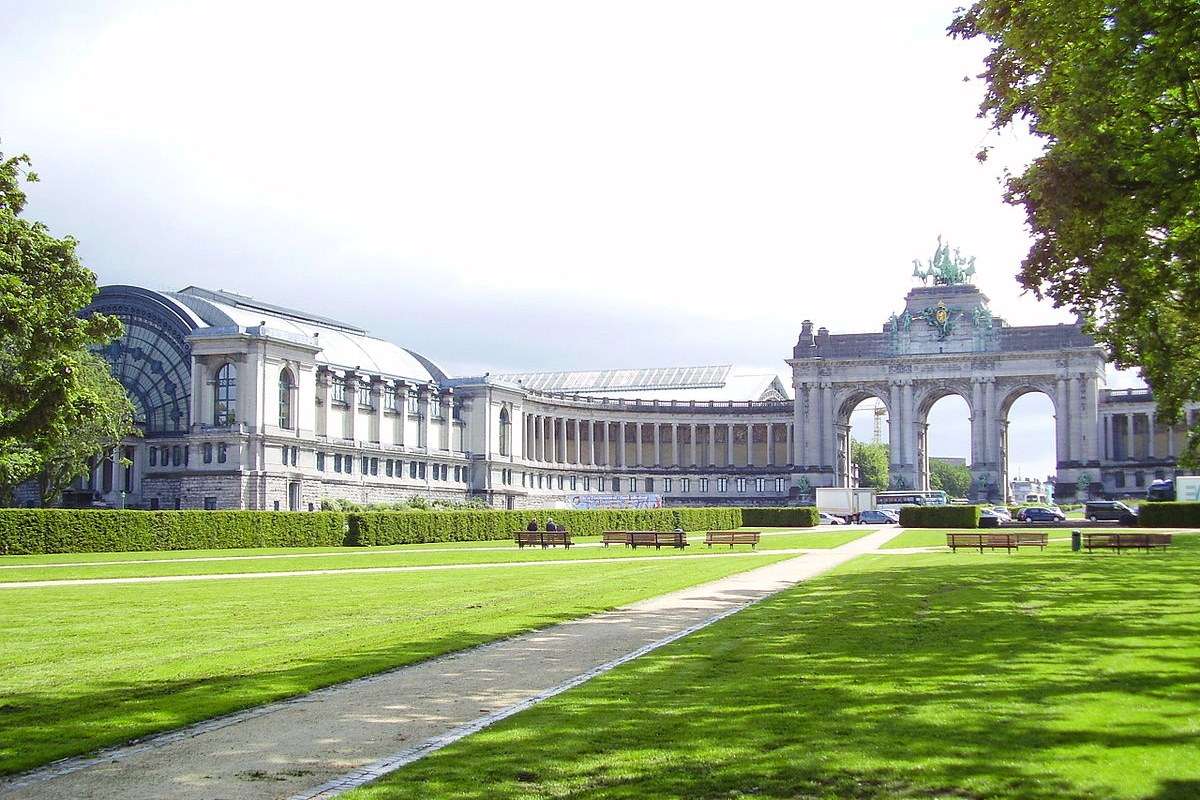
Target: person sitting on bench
[(532, 526), (551, 525)]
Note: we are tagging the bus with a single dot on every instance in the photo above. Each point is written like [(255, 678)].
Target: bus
[(891, 501)]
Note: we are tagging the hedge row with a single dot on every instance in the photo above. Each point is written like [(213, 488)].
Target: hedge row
[(53, 530), (414, 527), (790, 517), (1169, 515), (32, 531), (939, 516)]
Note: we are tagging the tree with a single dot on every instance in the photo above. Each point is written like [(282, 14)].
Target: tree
[(1112, 90), (42, 338), (951, 477), (872, 462), (94, 419)]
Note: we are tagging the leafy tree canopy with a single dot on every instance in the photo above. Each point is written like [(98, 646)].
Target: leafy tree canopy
[(872, 462), (42, 338), (1112, 89), (951, 477)]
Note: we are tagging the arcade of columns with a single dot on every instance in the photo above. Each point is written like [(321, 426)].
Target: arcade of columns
[(557, 440)]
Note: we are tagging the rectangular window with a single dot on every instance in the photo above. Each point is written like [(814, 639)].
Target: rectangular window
[(457, 411), (389, 467), (703, 485), (210, 504), (295, 456), (366, 465), (390, 398), (348, 464), (414, 404), (779, 485), (435, 409), (722, 485), (337, 462), (573, 483), (222, 453), (685, 485), (649, 484), (760, 484), (337, 390), (560, 482), (421, 470), (154, 456), (587, 483), (177, 455), (154, 504), (741, 484), (374, 466), (287, 452), (320, 462), (412, 469), (616, 485), (667, 485), (364, 395)]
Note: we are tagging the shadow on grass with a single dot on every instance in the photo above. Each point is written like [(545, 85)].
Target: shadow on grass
[(1034, 677)]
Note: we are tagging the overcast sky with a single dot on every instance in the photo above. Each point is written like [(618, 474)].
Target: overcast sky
[(528, 185)]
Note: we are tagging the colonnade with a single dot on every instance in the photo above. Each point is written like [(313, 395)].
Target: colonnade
[(553, 439), (1139, 436)]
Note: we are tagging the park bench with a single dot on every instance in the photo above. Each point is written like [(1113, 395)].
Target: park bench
[(1037, 539), (732, 537), (543, 539), (981, 541), (1126, 541), (616, 537)]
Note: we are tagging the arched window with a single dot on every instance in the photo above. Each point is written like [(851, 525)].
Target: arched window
[(225, 400), (286, 384), (505, 431)]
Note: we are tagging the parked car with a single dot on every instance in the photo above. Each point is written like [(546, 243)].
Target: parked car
[(1001, 512), (878, 518), (1110, 510), (830, 519), (988, 518), (1160, 490), (1041, 514)]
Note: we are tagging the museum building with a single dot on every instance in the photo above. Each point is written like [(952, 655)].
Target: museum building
[(246, 404)]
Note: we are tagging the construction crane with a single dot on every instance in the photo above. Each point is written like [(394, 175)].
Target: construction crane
[(880, 413)]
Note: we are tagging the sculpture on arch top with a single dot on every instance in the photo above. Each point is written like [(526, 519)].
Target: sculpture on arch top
[(945, 269)]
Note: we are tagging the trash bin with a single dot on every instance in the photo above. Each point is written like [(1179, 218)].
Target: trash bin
[(1076, 541)]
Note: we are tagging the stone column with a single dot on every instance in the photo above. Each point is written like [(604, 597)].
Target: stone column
[(637, 450), (425, 398), (729, 443), (770, 445), (621, 446), (446, 439), (993, 421), (791, 441), (675, 444), (1130, 453), (657, 444), (1150, 448), (323, 392), (812, 424), (350, 430), (591, 432), (712, 445), (554, 440), (797, 453), (402, 411), (827, 421), (895, 430), (692, 433), (578, 442), (909, 432)]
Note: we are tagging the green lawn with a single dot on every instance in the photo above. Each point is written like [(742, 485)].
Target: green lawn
[(1043, 676), (86, 666), (25, 568)]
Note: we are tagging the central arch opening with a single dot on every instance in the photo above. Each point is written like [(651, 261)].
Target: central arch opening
[(944, 447), (870, 454), (1029, 448)]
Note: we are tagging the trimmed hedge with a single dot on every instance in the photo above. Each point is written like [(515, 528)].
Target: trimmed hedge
[(414, 527), (1169, 515), (789, 517), (59, 530), (939, 516)]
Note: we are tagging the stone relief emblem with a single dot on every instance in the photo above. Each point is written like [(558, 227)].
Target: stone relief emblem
[(940, 318)]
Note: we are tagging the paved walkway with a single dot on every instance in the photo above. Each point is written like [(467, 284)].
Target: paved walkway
[(320, 744)]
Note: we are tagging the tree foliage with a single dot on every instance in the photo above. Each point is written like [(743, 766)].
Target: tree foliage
[(1112, 89), (43, 341), (951, 477), (872, 462)]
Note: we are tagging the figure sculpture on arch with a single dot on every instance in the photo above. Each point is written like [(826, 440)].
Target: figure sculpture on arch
[(945, 269)]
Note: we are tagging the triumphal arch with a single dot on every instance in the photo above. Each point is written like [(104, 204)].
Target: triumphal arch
[(946, 341)]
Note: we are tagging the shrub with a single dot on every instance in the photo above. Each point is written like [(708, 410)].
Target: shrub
[(789, 517), (60, 530), (939, 516), (371, 528), (1169, 515)]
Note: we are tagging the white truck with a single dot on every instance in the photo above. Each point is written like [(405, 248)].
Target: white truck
[(845, 502), (1187, 489)]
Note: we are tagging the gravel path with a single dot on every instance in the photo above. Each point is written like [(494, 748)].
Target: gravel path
[(320, 744)]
